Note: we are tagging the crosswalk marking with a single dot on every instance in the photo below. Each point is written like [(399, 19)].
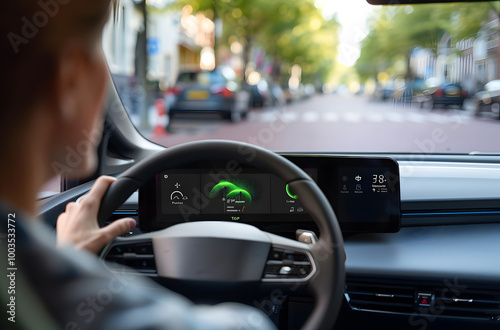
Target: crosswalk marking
[(268, 116), (290, 116), (354, 117), (375, 117), (437, 118), (395, 117), (330, 116), (416, 117), (310, 117)]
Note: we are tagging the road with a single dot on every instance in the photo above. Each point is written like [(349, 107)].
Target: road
[(336, 123)]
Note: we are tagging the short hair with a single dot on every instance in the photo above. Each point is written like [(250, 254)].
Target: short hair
[(33, 33)]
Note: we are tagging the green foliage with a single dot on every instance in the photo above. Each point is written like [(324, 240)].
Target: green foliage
[(293, 31), (397, 30), (470, 18)]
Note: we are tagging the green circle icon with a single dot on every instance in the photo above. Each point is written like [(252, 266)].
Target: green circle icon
[(289, 193)]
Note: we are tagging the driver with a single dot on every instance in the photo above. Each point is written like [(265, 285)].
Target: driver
[(53, 82)]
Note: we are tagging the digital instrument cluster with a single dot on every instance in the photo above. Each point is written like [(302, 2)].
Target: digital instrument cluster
[(363, 191)]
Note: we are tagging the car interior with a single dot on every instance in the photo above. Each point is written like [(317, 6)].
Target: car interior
[(316, 240)]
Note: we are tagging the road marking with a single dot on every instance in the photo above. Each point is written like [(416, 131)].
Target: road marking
[(416, 117), (289, 116), (352, 117), (375, 117), (437, 118), (330, 116), (268, 116), (452, 117), (395, 117), (310, 117)]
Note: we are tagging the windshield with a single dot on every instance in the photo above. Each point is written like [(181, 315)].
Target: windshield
[(310, 76)]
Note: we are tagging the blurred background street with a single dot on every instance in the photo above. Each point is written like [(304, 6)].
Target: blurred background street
[(313, 75), (346, 123)]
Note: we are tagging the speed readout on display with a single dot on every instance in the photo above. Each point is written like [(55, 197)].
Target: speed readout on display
[(379, 178)]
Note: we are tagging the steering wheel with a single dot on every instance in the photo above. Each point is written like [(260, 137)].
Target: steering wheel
[(242, 253)]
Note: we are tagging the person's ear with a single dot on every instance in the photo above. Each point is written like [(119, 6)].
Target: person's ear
[(69, 74), (79, 89)]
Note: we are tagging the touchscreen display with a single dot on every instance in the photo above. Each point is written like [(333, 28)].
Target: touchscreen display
[(203, 193), (364, 193), (183, 192), (361, 191)]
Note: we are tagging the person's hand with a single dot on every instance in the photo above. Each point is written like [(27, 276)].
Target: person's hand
[(78, 224)]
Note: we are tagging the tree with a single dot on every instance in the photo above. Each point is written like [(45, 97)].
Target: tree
[(469, 18), (397, 30), (289, 31), (141, 63)]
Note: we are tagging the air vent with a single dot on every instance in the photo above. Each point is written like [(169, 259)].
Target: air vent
[(467, 303), (377, 297), (137, 255), (453, 300)]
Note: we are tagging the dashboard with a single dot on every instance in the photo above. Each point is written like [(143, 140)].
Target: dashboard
[(364, 191), (446, 250)]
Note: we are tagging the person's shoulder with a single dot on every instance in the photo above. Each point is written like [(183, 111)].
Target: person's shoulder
[(80, 291)]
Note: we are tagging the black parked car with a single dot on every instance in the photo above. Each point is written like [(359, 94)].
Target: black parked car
[(444, 95), (204, 92), (259, 94)]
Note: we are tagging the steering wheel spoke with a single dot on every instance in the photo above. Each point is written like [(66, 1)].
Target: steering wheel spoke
[(289, 262)]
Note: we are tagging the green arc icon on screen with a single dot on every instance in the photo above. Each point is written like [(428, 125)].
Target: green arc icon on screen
[(232, 191), (289, 193)]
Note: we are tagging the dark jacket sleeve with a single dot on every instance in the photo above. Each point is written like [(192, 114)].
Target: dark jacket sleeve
[(78, 292)]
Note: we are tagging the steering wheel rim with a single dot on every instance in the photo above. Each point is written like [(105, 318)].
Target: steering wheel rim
[(328, 282)]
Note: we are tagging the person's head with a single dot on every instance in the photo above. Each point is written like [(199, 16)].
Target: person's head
[(52, 71)]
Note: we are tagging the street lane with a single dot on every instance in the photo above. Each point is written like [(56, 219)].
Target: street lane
[(347, 124)]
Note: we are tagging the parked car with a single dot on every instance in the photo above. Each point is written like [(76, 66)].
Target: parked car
[(259, 94), (384, 92), (298, 93), (444, 94), (415, 91), (309, 91), (488, 99), (204, 92)]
